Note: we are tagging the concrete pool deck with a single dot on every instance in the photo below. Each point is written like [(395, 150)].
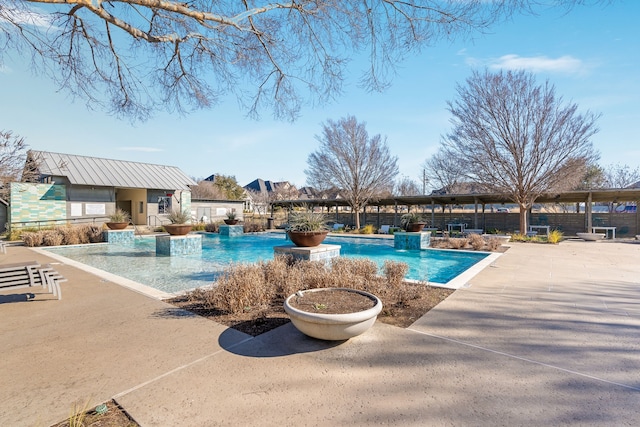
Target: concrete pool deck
[(547, 335)]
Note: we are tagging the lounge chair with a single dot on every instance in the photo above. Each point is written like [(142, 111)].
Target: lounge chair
[(337, 227), (29, 274)]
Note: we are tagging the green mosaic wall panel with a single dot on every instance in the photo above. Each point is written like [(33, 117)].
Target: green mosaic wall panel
[(37, 202)]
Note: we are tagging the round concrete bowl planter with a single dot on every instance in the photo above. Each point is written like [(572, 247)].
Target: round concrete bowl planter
[(416, 227), (178, 229), (231, 221), (333, 327), (117, 225), (591, 237), (307, 239)]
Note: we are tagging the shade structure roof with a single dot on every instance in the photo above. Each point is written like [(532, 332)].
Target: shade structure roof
[(600, 195), (95, 171)]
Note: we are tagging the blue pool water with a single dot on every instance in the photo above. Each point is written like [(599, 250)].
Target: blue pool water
[(139, 262)]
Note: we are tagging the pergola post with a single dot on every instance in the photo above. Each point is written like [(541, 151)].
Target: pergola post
[(587, 212), (475, 213)]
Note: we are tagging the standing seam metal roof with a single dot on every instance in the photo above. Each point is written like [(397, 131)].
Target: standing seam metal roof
[(84, 170)]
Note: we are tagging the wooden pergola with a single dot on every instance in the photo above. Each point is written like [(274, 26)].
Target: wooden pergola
[(588, 197)]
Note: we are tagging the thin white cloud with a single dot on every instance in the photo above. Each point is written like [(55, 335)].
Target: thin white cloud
[(141, 149), (537, 64)]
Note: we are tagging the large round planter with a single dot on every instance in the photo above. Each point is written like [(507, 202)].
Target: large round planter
[(231, 221), (307, 239), (117, 225), (333, 327), (178, 229), (416, 227), (590, 237)]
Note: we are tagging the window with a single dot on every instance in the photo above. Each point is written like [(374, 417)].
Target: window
[(141, 208), (164, 204)]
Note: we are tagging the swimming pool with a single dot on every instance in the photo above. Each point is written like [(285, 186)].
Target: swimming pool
[(138, 262)]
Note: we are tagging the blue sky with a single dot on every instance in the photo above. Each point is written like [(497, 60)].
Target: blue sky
[(591, 55)]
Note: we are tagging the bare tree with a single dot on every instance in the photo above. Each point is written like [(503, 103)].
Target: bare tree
[(361, 167), (284, 191), (443, 171), (223, 187), (260, 201), (621, 176), (132, 56), (594, 177), (513, 136), (13, 157), (205, 190), (406, 187)]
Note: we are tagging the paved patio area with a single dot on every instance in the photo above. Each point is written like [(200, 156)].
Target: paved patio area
[(546, 336)]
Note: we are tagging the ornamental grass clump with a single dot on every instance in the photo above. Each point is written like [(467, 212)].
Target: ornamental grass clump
[(307, 221), (120, 216), (555, 236), (179, 217)]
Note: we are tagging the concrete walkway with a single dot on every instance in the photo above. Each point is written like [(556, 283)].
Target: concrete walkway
[(546, 336)]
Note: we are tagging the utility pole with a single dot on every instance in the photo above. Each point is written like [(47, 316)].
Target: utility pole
[(424, 181)]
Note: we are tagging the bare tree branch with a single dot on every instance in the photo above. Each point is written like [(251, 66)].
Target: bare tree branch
[(134, 57), (516, 137), (358, 166)]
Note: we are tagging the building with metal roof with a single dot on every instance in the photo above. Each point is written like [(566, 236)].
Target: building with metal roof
[(74, 188)]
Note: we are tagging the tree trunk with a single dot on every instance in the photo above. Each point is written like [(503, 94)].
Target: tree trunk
[(523, 219), (357, 212)]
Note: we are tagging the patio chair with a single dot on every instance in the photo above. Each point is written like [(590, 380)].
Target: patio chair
[(384, 229), (29, 274), (337, 227)]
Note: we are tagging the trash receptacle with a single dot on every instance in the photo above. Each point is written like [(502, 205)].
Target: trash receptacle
[(269, 223)]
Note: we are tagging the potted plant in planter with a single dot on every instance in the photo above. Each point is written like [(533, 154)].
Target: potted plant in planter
[(332, 313), (307, 228), (178, 226), (231, 218), (412, 222), (119, 220)]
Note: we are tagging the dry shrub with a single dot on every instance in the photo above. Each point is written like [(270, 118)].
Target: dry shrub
[(476, 241), (314, 274), (242, 287), (458, 242), (493, 244), (52, 238), (92, 233), (394, 272), (205, 296), (253, 227), (70, 235), (32, 238), (211, 227)]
